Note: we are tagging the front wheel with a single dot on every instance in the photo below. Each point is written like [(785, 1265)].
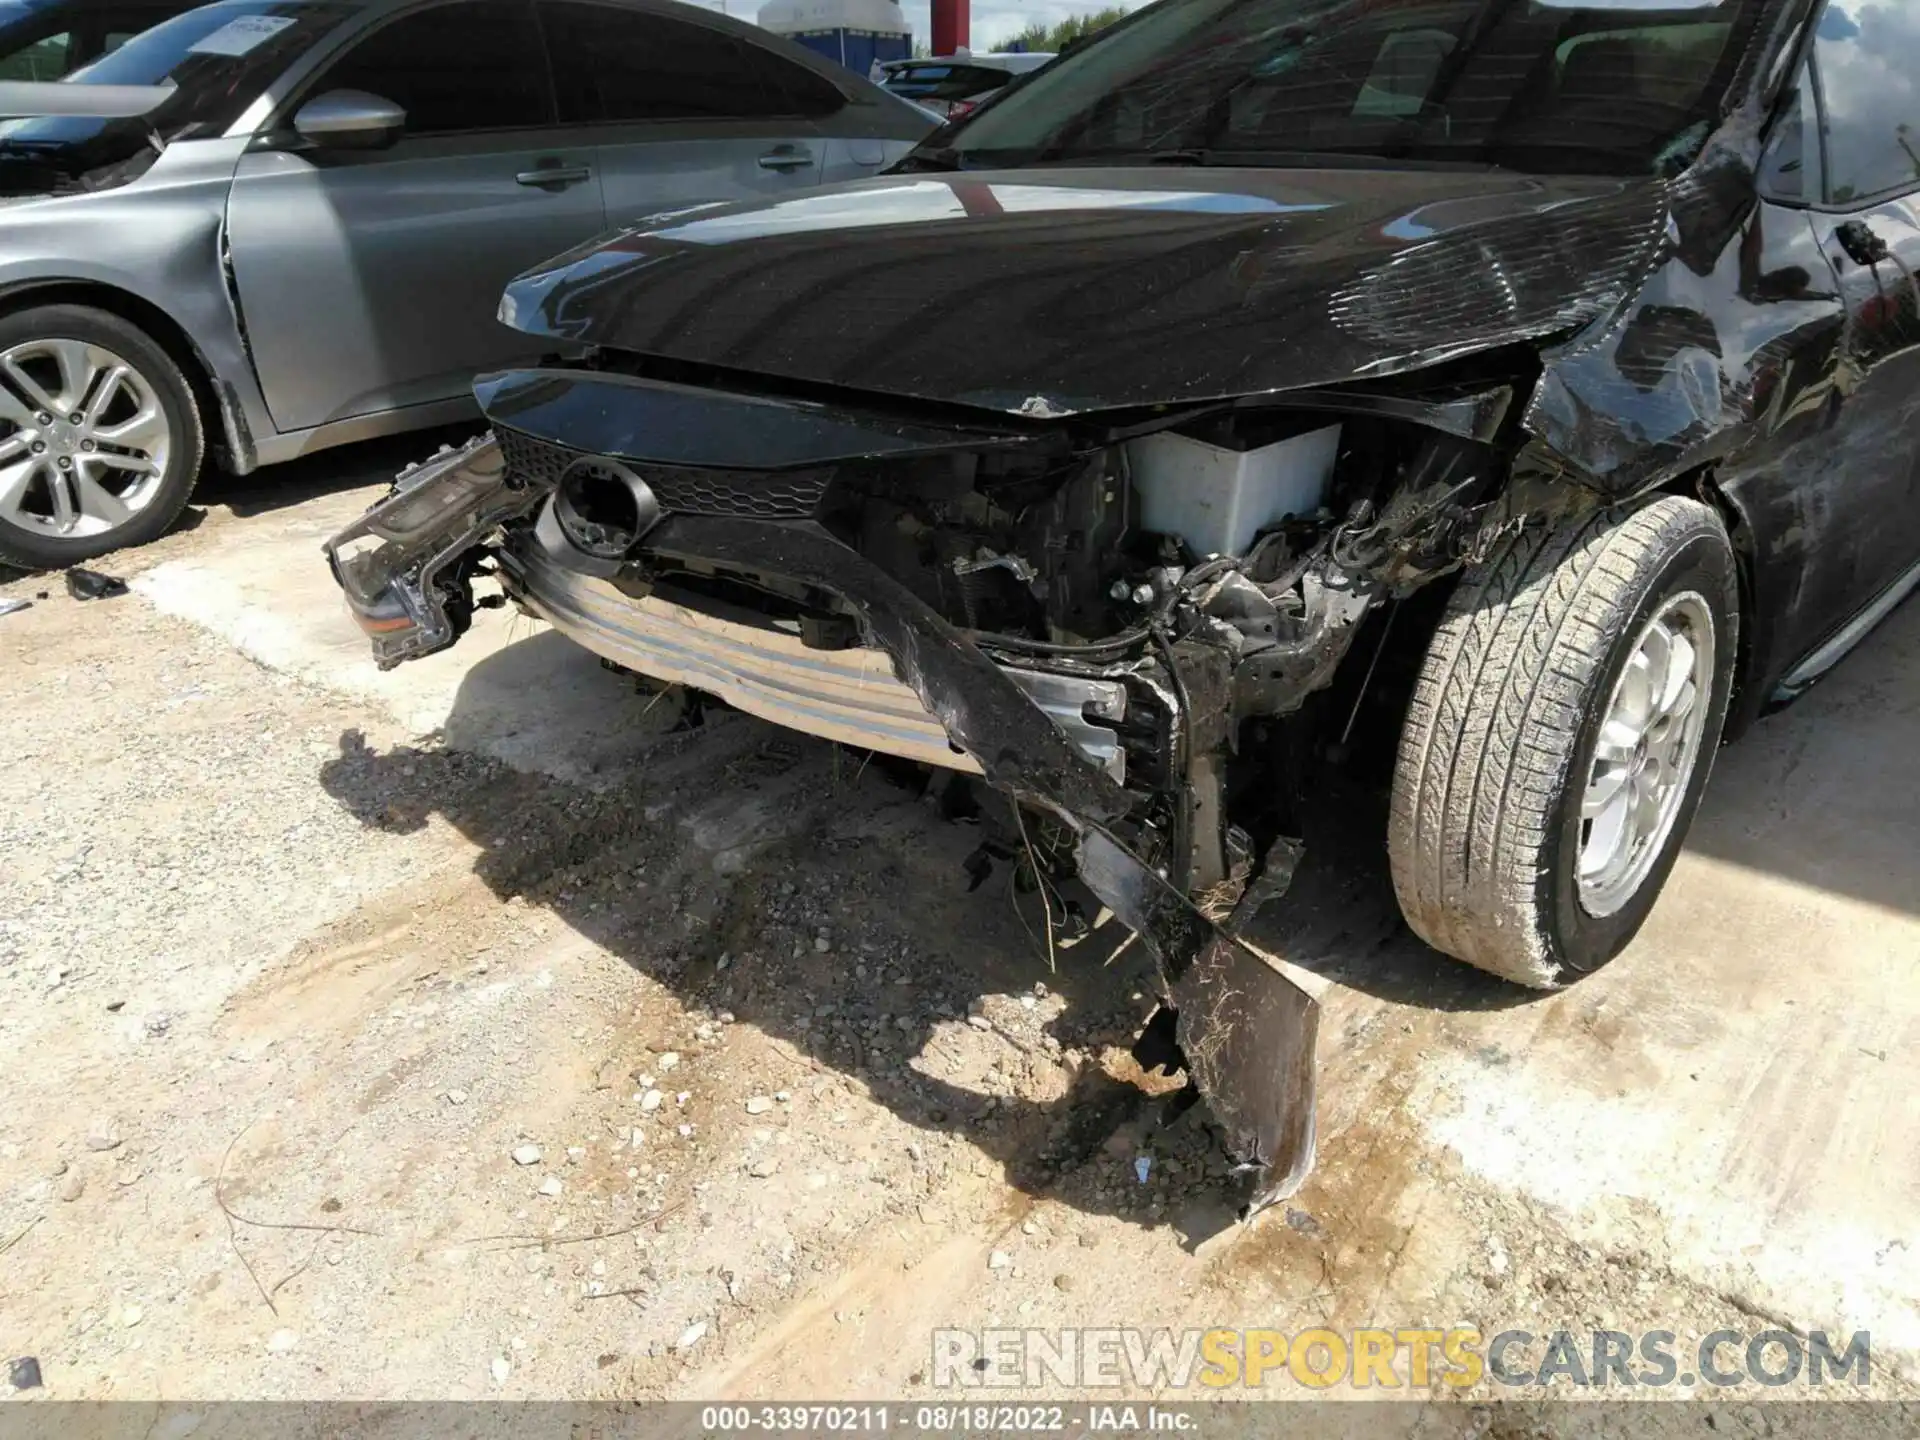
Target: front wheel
[(100, 439), (1560, 736)]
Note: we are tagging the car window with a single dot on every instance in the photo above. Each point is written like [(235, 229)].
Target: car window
[(217, 59), (1555, 86), (945, 82), (1870, 98), (807, 93), (1403, 73), (47, 39), (453, 68), (44, 59), (1790, 167), (614, 64)]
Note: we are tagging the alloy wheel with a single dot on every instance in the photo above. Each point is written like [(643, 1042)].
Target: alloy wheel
[(1645, 753), (84, 440)]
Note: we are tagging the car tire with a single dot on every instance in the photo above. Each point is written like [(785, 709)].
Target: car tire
[(130, 460), (1509, 843)]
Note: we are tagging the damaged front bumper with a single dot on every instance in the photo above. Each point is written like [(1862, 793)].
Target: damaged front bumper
[(912, 684), (850, 695), (406, 566)]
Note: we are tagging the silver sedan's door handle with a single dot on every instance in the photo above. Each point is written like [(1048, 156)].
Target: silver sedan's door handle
[(558, 176), (786, 159)]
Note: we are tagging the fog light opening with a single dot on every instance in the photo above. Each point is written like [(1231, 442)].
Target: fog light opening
[(604, 508)]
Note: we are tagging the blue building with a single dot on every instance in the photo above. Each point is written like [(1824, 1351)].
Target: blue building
[(854, 32)]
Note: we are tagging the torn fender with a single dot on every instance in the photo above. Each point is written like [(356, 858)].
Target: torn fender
[(1247, 1032), (1701, 365), (1709, 355)]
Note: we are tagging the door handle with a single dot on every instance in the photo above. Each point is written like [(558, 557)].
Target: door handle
[(786, 159), (557, 177)]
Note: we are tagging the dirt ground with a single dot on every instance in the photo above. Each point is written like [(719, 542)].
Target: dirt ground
[(468, 1031)]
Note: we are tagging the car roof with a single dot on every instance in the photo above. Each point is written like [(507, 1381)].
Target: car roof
[(849, 83), (1011, 61), (359, 15), (1016, 60), (15, 10), (34, 7)]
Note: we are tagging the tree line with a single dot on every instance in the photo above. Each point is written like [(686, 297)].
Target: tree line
[(1055, 38)]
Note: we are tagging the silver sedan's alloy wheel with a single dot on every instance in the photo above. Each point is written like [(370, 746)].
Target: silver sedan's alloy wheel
[(1645, 752), (84, 441)]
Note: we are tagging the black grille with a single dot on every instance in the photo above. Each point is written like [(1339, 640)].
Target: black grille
[(751, 494), (533, 461)]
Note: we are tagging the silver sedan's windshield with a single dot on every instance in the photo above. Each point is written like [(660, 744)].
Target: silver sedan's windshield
[(1539, 85), (217, 59)]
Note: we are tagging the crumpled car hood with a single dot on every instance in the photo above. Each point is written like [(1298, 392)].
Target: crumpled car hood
[(1049, 292)]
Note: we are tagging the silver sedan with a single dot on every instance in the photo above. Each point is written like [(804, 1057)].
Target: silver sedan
[(301, 238)]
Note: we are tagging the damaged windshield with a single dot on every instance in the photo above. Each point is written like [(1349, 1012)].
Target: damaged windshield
[(1619, 89), (216, 59)]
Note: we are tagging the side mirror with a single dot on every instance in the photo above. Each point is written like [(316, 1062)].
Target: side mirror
[(350, 120)]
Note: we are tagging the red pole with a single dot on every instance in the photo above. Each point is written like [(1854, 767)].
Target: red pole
[(949, 26)]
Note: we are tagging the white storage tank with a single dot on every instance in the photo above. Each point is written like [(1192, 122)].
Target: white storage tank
[(1217, 498)]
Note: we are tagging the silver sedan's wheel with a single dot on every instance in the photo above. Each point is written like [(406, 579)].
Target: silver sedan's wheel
[(1645, 752), (100, 436), (90, 442)]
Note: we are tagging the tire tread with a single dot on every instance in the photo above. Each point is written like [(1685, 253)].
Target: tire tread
[(1495, 717)]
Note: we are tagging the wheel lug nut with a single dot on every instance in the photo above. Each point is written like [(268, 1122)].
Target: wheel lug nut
[(66, 462), (86, 445), (39, 447), (44, 418), (75, 418)]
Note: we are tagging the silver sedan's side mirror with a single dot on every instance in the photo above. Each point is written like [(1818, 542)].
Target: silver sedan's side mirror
[(350, 120)]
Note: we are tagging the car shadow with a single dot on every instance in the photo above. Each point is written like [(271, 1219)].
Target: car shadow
[(115, 563), (343, 467), (1339, 917), (278, 487), (936, 994), (1822, 792), (708, 860), (1819, 793)]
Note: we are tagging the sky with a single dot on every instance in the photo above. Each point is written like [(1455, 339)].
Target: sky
[(993, 20)]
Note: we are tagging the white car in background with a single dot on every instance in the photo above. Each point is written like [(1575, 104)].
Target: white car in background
[(953, 85)]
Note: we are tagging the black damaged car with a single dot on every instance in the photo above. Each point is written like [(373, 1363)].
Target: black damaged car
[(1562, 357)]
